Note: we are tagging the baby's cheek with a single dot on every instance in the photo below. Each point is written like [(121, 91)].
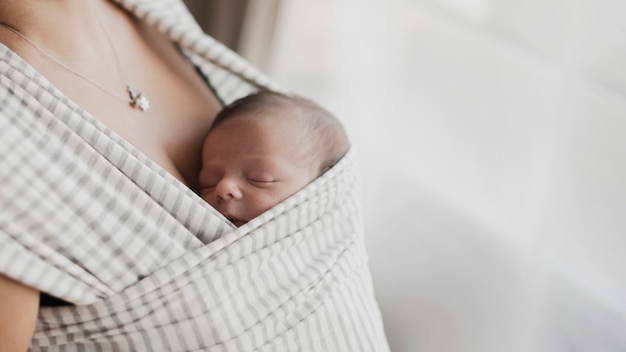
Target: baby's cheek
[(208, 197), (261, 203)]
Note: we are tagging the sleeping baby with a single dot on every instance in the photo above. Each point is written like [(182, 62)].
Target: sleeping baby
[(262, 149)]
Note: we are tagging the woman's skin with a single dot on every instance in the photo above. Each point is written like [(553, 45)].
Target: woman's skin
[(171, 132), (18, 313)]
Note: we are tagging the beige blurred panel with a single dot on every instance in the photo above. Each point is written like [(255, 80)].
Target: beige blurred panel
[(244, 26), (257, 35)]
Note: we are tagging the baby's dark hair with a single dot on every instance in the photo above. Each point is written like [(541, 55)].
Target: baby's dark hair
[(329, 141)]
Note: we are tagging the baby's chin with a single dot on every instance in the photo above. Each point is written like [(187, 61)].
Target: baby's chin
[(236, 222)]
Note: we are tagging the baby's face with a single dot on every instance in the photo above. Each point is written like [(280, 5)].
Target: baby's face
[(251, 164)]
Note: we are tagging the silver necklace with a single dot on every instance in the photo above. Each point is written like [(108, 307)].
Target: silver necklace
[(136, 99)]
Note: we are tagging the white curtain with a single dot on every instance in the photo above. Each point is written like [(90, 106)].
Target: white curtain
[(492, 140)]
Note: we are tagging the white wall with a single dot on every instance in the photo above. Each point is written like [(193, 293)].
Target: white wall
[(492, 141)]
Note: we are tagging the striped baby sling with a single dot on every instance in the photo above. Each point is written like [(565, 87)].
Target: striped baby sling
[(145, 263)]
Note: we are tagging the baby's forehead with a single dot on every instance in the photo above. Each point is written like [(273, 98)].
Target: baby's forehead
[(268, 129), (266, 162)]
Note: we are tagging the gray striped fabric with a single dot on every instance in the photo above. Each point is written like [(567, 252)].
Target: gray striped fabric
[(148, 265)]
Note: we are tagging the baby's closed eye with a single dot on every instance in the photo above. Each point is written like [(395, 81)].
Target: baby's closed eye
[(208, 186), (261, 179)]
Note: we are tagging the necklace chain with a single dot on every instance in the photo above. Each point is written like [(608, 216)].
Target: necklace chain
[(136, 99)]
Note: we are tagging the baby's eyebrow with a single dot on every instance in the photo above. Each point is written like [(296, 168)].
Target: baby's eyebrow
[(263, 162)]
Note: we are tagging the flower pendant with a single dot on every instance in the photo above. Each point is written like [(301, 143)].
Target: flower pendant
[(138, 100)]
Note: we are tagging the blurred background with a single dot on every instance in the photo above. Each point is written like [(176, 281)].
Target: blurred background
[(491, 136)]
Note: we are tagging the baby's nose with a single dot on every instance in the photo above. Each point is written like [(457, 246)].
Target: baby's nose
[(228, 188)]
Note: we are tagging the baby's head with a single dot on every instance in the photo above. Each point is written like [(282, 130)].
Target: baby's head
[(262, 149)]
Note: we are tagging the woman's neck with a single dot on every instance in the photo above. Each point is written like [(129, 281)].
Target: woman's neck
[(66, 28)]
